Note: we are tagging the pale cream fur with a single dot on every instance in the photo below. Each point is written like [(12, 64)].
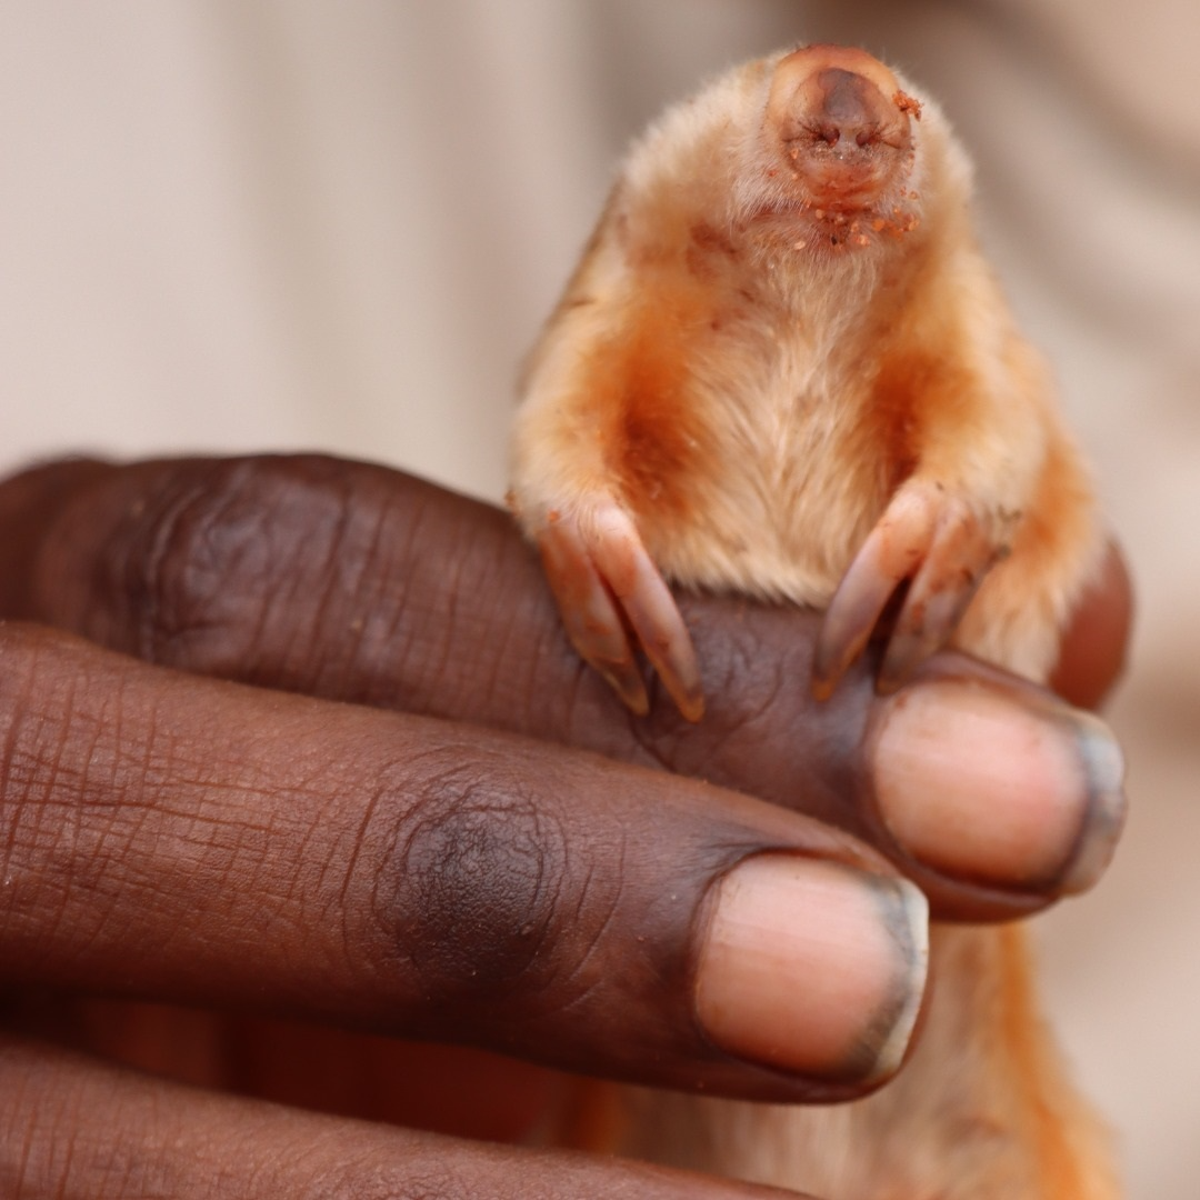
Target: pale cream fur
[(777, 388)]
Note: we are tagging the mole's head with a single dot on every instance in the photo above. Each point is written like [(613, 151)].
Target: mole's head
[(837, 148)]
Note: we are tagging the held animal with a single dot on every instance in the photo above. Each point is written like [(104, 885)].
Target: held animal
[(783, 368)]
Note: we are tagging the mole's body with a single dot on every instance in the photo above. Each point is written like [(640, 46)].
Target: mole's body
[(784, 369)]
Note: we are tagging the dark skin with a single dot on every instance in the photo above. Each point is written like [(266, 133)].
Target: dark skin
[(267, 887)]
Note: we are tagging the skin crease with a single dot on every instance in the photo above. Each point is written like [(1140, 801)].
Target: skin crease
[(93, 549)]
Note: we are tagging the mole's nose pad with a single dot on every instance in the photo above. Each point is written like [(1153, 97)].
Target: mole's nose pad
[(842, 125), (843, 108), (837, 96)]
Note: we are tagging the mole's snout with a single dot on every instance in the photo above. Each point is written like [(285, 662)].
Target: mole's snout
[(838, 105), (843, 122)]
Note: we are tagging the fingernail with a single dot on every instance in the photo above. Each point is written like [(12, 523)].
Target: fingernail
[(979, 786), (813, 968)]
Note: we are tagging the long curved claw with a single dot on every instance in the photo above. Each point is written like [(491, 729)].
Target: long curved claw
[(607, 587), (927, 535), (892, 552), (590, 618), (650, 608), (943, 586)]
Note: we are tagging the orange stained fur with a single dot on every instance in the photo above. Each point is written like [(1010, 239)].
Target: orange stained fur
[(651, 438), (1063, 1169), (906, 385), (750, 376)]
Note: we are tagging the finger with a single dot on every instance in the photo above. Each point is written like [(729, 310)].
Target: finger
[(458, 1090), (1092, 656), (77, 1129), (356, 583), (189, 840)]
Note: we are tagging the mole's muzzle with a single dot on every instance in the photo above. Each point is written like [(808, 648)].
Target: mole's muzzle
[(843, 124)]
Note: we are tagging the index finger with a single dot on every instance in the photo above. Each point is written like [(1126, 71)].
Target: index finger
[(353, 582), (176, 838)]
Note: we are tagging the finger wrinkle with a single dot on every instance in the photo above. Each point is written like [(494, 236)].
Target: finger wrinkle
[(404, 518), (20, 1101), (329, 583), (90, 816), (364, 1177), (170, 577), (600, 916), (42, 786), (455, 620), (368, 631), (441, 660), (303, 569), (349, 875), (347, 623), (183, 571), (742, 717), (482, 572), (16, 769), (49, 1115), (304, 589)]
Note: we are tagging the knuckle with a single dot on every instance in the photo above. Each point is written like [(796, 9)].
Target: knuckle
[(197, 564), (479, 895)]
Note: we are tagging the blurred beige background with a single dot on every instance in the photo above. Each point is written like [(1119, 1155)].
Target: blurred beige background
[(244, 225)]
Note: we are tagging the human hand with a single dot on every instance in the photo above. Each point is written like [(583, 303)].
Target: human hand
[(172, 837)]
